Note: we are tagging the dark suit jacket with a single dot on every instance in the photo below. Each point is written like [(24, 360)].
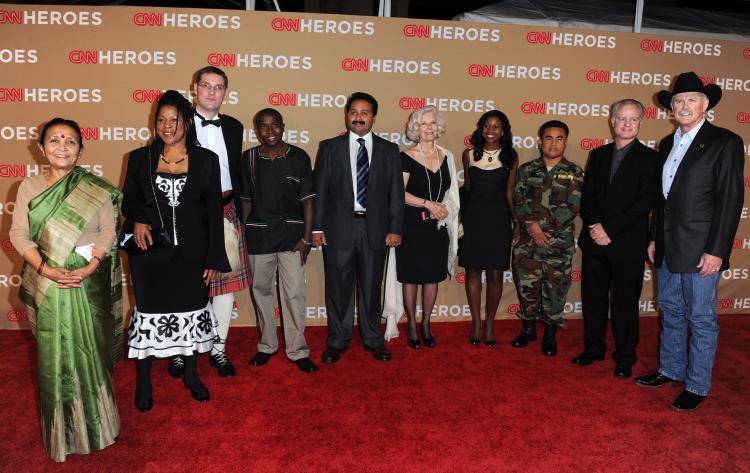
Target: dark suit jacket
[(232, 130), (622, 206), (334, 199), (200, 227), (705, 201)]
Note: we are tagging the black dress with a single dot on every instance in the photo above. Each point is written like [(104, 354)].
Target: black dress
[(486, 220), (422, 257)]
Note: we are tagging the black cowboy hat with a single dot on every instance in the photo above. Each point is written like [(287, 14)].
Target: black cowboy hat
[(690, 82)]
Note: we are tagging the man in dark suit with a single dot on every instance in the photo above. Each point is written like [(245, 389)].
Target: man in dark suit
[(618, 195), (693, 228), (221, 134), (359, 206)]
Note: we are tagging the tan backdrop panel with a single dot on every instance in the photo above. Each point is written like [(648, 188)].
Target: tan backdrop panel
[(105, 67)]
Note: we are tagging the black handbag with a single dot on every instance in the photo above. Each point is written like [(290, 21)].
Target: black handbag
[(159, 236)]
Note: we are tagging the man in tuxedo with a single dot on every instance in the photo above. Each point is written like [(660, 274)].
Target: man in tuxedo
[(221, 134), (359, 206), (618, 194), (696, 217)]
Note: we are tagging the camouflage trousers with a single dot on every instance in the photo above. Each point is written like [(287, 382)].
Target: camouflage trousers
[(542, 277)]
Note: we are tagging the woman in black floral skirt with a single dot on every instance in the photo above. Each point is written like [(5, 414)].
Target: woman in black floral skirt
[(172, 206)]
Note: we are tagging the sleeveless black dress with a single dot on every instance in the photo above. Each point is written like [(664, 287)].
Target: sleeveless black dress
[(486, 220), (422, 257)]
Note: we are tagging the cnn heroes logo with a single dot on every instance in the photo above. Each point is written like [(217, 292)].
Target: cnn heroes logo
[(578, 40), (259, 61), (628, 77), (187, 20), (18, 56), (232, 97), (665, 46), (321, 26), (450, 32), (29, 170), (53, 95), (390, 66), (514, 71), (122, 57), (50, 17)]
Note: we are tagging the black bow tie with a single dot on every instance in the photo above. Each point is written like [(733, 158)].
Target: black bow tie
[(204, 122)]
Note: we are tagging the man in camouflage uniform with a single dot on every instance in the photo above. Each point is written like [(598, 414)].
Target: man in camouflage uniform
[(546, 199)]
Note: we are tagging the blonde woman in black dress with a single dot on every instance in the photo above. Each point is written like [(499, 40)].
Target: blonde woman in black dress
[(428, 246)]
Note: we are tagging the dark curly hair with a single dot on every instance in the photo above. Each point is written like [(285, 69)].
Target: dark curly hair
[(184, 117), (508, 155)]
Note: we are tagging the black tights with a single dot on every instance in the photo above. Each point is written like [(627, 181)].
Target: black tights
[(429, 294), (143, 378), (474, 296)]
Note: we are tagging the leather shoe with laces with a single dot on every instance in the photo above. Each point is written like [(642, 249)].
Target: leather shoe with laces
[(261, 358), (380, 353), (655, 380), (223, 366), (623, 372), (332, 354), (585, 359), (687, 401), (306, 365)]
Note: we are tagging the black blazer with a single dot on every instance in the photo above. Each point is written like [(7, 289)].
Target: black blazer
[(704, 205), (334, 193), (622, 206), (232, 130), (200, 227)]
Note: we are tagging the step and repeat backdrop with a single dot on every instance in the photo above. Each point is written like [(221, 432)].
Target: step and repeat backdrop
[(105, 67)]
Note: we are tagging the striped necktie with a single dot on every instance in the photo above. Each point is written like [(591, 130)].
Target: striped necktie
[(363, 172)]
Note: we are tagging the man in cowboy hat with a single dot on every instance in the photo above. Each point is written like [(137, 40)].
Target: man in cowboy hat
[(693, 228)]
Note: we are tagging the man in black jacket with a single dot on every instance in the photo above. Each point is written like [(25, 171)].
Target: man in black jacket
[(359, 207), (696, 217), (618, 195)]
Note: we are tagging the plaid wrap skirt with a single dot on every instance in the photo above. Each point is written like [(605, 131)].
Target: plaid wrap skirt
[(242, 279)]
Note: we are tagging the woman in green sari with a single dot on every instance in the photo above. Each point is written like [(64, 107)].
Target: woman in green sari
[(65, 225)]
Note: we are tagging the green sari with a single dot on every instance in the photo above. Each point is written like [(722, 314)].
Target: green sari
[(78, 330)]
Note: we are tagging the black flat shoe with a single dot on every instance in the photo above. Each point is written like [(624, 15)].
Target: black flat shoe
[(687, 401), (585, 359), (415, 344), (306, 365), (489, 343), (655, 380), (380, 353), (200, 396), (474, 341), (261, 358), (223, 366), (144, 405), (331, 354), (623, 372)]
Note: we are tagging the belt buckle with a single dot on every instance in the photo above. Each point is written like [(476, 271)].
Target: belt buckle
[(359, 214)]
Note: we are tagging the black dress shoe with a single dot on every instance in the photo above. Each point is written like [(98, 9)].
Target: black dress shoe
[(549, 344), (261, 358), (202, 395), (415, 343), (489, 343), (144, 405), (306, 365), (474, 341), (381, 353), (655, 380), (176, 366), (331, 354), (623, 372), (223, 366), (585, 359), (687, 401)]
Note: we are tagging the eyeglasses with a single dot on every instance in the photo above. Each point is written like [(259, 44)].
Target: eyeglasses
[(208, 87)]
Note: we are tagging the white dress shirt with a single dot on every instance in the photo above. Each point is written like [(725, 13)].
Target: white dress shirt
[(211, 137), (679, 148), (353, 149)]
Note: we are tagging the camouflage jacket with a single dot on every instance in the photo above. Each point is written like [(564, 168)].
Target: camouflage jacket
[(552, 199)]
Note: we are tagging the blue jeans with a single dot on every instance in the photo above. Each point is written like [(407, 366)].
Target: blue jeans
[(688, 301)]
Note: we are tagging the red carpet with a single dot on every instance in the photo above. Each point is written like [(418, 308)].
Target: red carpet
[(455, 408)]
